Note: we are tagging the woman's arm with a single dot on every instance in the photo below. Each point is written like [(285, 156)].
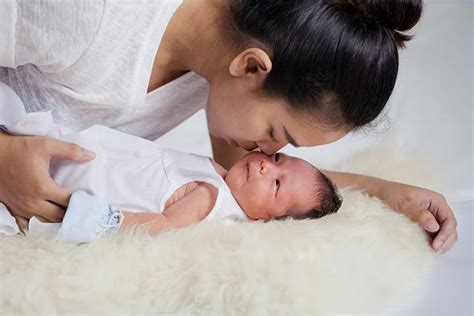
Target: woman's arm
[(371, 185), (429, 209), (26, 187)]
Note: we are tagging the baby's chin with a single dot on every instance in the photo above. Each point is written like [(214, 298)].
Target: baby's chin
[(252, 218), (253, 215)]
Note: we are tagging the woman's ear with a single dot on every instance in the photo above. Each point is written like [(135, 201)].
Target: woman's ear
[(253, 63)]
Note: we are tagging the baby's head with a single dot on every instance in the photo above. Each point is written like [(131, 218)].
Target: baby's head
[(279, 186)]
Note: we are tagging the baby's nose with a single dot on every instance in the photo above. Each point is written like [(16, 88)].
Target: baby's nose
[(266, 167)]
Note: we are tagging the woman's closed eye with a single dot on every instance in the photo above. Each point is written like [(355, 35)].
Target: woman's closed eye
[(272, 136), (277, 157), (277, 185)]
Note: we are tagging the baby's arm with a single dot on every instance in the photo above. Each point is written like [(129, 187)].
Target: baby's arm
[(190, 209), (89, 217)]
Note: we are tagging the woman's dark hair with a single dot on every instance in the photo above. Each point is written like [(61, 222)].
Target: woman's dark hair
[(334, 59)]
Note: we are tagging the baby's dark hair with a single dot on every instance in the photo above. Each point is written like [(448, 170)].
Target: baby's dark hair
[(328, 198)]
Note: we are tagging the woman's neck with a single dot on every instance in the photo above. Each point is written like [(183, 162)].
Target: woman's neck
[(192, 40), (219, 169)]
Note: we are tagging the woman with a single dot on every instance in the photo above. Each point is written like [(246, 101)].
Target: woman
[(273, 72)]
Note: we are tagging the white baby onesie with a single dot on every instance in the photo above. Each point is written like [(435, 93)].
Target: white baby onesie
[(137, 174), (134, 173)]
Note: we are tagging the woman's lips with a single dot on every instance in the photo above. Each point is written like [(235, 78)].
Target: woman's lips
[(233, 143)]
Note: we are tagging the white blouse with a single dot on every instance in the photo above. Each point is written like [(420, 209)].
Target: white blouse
[(90, 62)]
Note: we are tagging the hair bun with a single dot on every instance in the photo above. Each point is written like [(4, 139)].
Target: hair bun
[(397, 15)]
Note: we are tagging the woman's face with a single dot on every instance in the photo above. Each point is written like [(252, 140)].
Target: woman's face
[(244, 119)]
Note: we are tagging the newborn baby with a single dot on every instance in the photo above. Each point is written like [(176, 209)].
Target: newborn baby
[(157, 189), (145, 184), (134, 182)]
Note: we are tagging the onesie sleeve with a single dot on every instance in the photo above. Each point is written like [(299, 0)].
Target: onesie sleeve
[(47, 34)]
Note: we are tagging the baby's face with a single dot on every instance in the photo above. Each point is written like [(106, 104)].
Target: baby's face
[(268, 187)]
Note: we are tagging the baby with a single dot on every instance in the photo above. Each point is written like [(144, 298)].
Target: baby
[(134, 182)]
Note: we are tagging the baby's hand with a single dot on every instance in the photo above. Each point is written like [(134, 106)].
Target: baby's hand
[(88, 217)]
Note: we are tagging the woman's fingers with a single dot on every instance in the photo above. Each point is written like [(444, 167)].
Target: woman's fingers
[(42, 219), (448, 228), (437, 219), (449, 243), (49, 212), (58, 195), (59, 149), (422, 216), (22, 223), (427, 220), (445, 216)]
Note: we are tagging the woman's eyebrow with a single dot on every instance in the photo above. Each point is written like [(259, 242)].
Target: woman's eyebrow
[(290, 138)]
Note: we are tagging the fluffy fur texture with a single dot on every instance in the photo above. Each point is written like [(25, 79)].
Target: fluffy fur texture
[(365, 258)]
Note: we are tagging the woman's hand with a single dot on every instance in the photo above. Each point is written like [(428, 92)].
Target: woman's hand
[(26, 187), (429, 209)]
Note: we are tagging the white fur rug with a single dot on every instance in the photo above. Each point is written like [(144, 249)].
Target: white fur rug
[(364, 259)]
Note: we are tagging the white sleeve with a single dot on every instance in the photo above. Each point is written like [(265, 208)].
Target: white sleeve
[(7, 32), (51, 34)]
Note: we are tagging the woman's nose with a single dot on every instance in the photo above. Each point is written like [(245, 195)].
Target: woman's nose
[(269, 147)]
